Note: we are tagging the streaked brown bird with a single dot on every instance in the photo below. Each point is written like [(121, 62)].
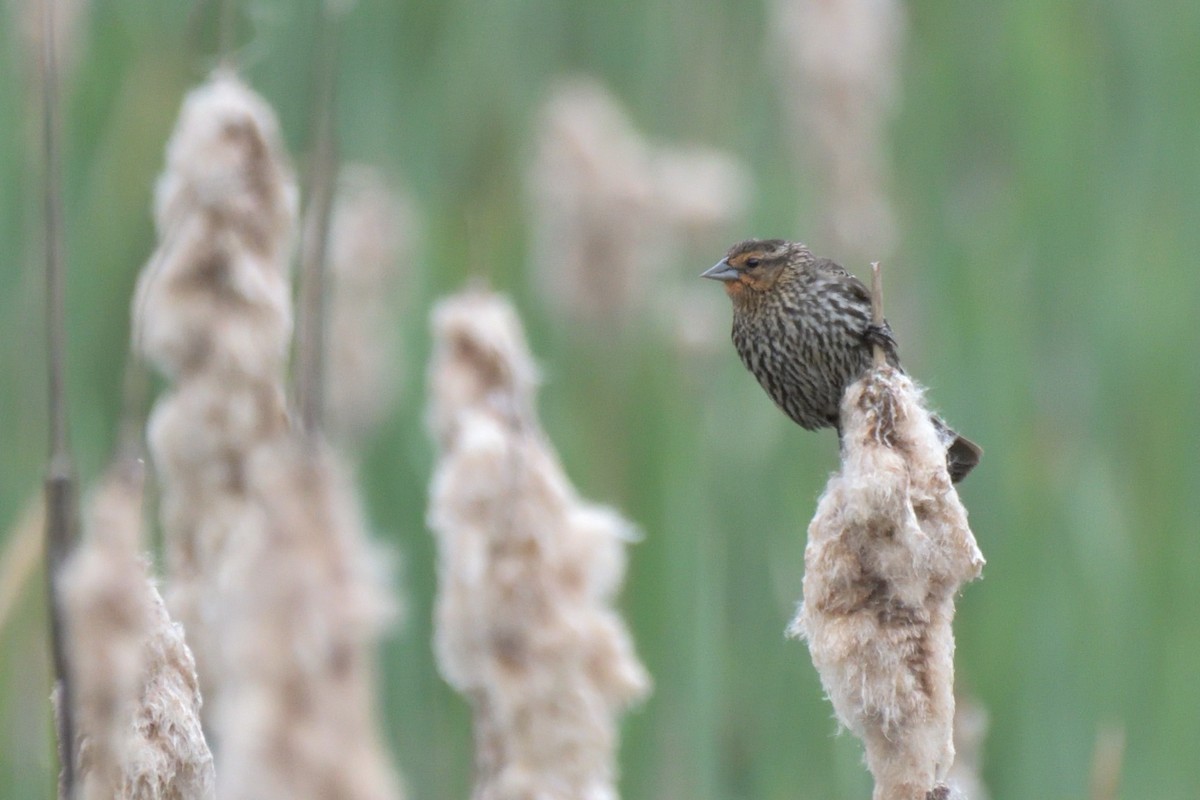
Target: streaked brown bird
[(803, 326)]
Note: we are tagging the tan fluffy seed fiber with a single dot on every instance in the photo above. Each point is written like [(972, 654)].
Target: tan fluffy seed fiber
[(136, 695), (887, 552), (215, 296), (525, 625), (170, 758), (609, 208), (301, 605), (371, 244), (270, 565), (212, 310)]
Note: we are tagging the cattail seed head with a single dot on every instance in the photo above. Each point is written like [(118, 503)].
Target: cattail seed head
[(216, 294), (527, 572), (372, 239), (271, 570), (480, 362), (609, 207), (887, 552), (226, 159), (137, 696)]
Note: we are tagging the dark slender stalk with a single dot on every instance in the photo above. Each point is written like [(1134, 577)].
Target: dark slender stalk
[(310, 330), (880, 358), (61, 511)]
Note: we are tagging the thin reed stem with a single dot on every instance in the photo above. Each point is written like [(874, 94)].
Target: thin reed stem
[(310, 331), (61, 509), (880, 358)]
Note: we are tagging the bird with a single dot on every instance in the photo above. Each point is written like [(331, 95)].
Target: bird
[(803, 327)]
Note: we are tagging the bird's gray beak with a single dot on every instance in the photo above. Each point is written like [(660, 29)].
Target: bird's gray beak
[(720, 271)]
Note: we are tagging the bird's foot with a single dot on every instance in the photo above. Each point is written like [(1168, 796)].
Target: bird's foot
[(880, 335)]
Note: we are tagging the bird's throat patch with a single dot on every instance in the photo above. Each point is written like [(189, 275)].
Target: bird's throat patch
[(760, 282)]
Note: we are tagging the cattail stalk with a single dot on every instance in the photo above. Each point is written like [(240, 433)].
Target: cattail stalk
[(525, 627), (888, 550), (878, 357), (310, 334), (29, 20), (61, 511)]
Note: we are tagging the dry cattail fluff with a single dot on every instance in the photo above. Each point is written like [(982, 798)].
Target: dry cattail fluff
[(301, 607), (608, 207), (841, 75), (215, 296), (137, 697), (212, 311), (887, 551), (270, 567), (527, 573), (371, 238)]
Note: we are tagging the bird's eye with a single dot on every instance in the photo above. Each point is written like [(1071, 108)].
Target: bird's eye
[(753, 261)]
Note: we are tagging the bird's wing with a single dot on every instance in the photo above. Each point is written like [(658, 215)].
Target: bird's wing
[(855, 287), (860, 294)]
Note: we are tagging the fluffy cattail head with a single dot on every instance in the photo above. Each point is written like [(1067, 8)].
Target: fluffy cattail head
[(609, 207), (480, 361), (226, 159), (137, 697), (371, 243), (887, 551), (299, 601), (527, 573), (270, 567), (105, 603), (215, 295)]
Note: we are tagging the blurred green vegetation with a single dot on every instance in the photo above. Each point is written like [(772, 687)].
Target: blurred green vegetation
[(1046, 172)]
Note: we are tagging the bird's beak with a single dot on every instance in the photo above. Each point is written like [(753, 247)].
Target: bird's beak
[(720, 271)]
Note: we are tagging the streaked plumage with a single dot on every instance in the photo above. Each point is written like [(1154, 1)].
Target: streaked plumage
[(802, 326)]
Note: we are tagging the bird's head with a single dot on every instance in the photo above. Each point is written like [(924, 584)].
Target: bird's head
[(753, 267)]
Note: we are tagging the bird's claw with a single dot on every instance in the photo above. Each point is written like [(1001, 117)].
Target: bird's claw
[(880, 335)]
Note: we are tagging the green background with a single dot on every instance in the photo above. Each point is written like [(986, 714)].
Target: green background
[(1045, 170)]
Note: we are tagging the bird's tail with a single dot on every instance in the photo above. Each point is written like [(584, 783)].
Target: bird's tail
[(961, 453)]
